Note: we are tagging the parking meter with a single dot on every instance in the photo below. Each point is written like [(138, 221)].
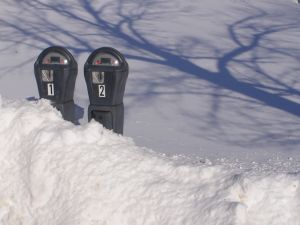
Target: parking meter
[(55, 72), (106, 72)]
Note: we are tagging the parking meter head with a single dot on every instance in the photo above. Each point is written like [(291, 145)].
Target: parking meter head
[(55, 72), (106, 72)]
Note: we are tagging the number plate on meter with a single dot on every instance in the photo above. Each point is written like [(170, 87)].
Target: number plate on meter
[(50, 89), (102, 93)]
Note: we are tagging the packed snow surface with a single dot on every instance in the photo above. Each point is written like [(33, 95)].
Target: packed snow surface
[(53, 172)]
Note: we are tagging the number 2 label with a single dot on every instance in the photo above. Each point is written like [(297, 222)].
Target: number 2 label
[(102, 93)]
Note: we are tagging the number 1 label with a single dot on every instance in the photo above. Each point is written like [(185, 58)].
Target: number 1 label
[(50, 88), (102, 93)]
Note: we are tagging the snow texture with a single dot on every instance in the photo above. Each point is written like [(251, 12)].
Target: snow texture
[(53, 173), (213, 89)]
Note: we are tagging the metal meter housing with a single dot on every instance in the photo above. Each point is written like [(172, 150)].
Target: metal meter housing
[(106, 73), (55, 72)]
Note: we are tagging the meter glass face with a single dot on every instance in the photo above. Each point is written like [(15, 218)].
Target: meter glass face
[(98, 77), (105, 59), (47, 75), (55, 58)]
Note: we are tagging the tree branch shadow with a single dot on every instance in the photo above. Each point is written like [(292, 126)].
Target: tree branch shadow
[(247, 34)]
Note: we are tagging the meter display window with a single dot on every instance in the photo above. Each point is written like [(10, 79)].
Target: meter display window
[(97, 77), (104, 59), (55, 58), (47, 75)]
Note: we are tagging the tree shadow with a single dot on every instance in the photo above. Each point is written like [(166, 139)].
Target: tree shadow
[(118, 21)]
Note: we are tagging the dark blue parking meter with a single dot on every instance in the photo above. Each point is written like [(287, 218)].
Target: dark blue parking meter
[(106, 72), (55, 72)]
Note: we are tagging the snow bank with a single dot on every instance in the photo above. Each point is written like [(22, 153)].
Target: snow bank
[(54, 173)]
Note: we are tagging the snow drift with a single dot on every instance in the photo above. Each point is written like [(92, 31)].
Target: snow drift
[(53, 172)]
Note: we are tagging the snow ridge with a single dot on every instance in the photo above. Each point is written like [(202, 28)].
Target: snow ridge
[(53, 172)]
